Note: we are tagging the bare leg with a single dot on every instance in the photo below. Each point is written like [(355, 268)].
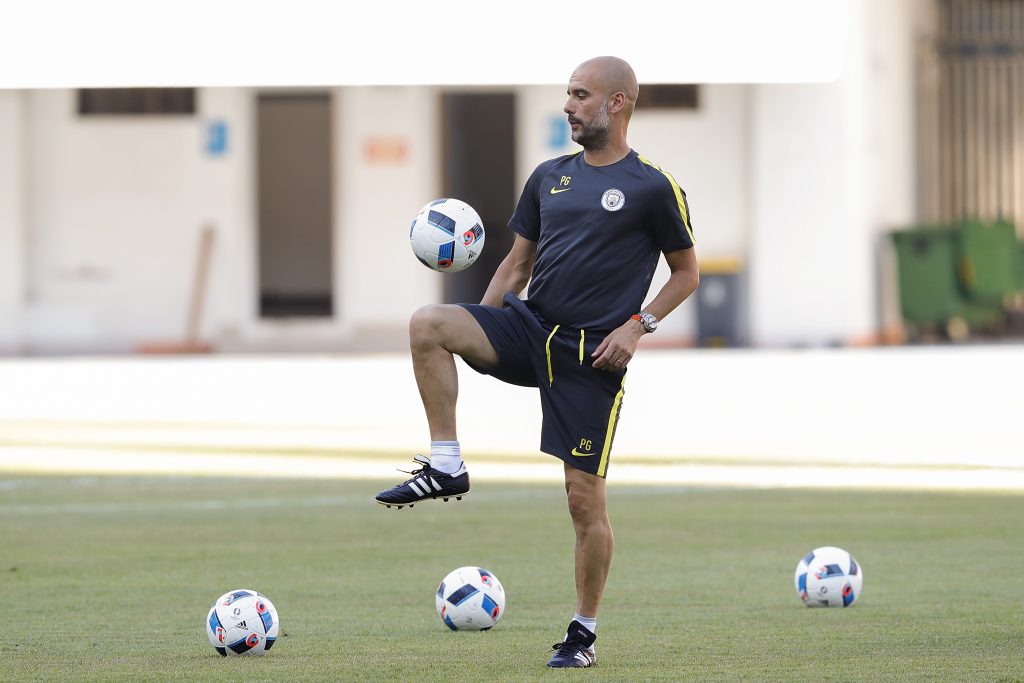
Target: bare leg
[(588, 507), (436, 334)]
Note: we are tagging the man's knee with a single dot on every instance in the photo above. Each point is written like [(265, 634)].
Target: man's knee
[(586, 497), (454, 329), (581, 505), (427, 325)]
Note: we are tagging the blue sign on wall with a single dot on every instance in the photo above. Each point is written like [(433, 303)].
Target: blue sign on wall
[(558, 132), (216, 138)]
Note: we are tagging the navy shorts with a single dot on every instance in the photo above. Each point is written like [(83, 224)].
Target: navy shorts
[(580, 404)]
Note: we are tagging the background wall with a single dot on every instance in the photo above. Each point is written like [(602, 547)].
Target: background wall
[(12, 222), (798, 183)]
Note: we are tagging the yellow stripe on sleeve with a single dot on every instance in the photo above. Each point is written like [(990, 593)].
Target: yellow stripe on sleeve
[(684, 211)]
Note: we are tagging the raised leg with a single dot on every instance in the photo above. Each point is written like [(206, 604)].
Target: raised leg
[(436, 334)]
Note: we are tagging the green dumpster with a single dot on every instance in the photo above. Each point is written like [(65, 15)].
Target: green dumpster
[(1020, 267), (926, 260), (944, 281), (988, 261)]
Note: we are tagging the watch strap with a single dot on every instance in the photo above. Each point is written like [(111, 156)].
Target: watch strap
[(648, 327)]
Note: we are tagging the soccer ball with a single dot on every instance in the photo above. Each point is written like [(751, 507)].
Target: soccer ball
[(447, 235), (242, 622), (828, 577), (470, 599)]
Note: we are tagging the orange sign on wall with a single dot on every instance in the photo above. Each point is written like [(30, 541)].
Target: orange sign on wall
[(385, 150)]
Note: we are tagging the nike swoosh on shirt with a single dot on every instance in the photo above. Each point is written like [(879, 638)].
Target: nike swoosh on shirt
[(556, 191), (580, 455)]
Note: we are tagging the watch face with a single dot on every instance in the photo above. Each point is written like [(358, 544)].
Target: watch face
[(650, 323)]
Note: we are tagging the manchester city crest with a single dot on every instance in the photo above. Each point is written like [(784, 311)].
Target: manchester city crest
[(613, 199)]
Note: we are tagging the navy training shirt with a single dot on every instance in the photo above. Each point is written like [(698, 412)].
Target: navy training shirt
[(600, 231)]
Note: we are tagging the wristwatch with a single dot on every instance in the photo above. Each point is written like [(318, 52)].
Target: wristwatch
[(648, 320)]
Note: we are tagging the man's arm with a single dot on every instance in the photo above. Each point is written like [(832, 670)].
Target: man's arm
[(513, 273), (619, 346)]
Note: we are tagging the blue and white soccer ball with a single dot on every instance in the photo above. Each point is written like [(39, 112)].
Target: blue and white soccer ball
[(447, 235), (828, 577), (470, 599), (242, 622)]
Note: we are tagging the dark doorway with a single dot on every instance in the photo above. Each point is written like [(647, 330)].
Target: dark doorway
[(478, 148), (294, 204)]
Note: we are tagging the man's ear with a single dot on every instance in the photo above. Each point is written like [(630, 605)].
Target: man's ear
[(618, 101)]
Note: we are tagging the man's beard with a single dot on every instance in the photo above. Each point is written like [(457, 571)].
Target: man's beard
[(595, 136)]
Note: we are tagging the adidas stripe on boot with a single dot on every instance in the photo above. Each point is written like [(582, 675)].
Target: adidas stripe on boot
[(426, 483), (577, 650)]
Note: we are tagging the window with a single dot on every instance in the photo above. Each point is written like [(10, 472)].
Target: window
[(668, 96), (137, 101)]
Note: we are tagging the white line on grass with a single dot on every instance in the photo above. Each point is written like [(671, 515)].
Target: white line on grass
[(177, 506), (68, 461), (163, 507)]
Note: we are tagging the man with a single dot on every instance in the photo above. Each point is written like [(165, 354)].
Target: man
[(589, 230)]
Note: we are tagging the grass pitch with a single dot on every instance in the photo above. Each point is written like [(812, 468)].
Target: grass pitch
[(110, 578)]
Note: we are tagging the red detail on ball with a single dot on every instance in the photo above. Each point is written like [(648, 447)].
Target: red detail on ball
[(261, 607), (444, 263), (253, 640), (495, 612), (220, 634), (847, 589)]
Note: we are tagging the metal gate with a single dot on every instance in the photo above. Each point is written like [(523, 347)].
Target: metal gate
[(971, 113)]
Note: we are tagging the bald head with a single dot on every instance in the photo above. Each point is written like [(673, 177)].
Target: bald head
[(612, 75), (601, 95)]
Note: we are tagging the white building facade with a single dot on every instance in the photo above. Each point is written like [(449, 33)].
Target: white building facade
[(100, 217)]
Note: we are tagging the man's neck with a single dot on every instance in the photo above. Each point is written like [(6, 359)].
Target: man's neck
[(607, 155)]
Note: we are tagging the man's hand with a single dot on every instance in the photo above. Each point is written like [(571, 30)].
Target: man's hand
[(616, 350)]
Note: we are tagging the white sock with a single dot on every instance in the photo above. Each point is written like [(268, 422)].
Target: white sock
[(445, 456), (589, 623)]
